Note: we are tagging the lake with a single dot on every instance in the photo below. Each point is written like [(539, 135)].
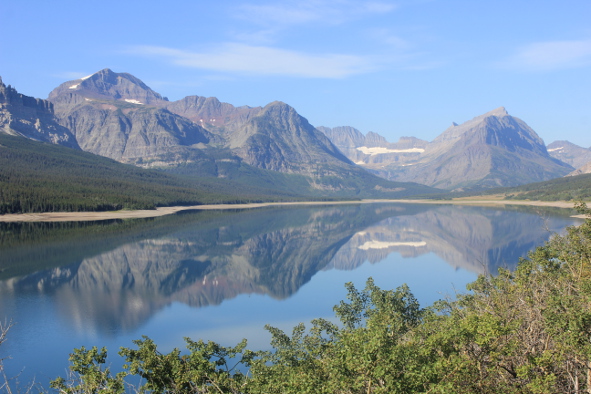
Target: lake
[(223, 275)]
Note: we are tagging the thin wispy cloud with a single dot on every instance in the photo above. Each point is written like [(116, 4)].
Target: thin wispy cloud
[(387, 37), (290, 13), (551, 55), (70, 75), (261, 60)]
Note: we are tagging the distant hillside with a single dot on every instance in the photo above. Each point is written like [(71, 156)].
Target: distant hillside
[(569, 188)]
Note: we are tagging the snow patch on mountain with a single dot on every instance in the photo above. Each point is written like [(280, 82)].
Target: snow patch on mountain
[(134, 101), (380, 150)]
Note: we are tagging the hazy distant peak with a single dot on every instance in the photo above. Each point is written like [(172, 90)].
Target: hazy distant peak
[(277, 103), (278, 108), (501, 111)]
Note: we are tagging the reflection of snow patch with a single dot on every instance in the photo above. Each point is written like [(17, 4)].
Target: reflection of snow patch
[(385, 245), (73, 86), (359, 163), (134, 101), (380, 151)]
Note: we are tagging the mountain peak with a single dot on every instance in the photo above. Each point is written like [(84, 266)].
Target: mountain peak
[(501, 111), (107, 84)]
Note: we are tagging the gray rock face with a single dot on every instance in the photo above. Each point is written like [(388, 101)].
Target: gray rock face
[(279, 139), (31, 118), (491, 150), (212, 114), (132, 135), (569, 153), (118, 116)]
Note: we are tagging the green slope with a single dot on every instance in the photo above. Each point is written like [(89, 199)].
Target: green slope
[(570, 188), (41, 177)]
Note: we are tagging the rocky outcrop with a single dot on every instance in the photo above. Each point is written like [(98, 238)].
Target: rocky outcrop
[(31, 118)]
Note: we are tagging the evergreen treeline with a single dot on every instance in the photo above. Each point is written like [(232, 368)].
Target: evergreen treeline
[(526, 331), (42, 177), (570, 188)]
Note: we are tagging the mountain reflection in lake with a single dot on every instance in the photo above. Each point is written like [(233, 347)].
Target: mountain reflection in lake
[(223, 275)]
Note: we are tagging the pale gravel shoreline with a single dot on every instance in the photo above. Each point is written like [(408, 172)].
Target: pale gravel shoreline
[(129, 214)]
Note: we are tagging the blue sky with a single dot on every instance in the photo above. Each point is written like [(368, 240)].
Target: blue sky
[(399, 68)]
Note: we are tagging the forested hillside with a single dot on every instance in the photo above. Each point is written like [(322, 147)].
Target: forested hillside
[(42, 177), (569, 188)]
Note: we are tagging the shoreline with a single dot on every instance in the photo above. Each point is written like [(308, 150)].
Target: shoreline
[(162, 211)]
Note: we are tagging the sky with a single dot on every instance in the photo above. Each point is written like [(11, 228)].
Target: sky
[(397, 68)]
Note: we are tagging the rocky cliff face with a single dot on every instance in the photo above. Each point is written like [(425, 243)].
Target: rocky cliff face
[(212, 114), (133, 134), (279, 139), (31, 118)]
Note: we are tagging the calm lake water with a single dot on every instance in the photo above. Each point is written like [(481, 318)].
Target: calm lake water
[(223, 275)]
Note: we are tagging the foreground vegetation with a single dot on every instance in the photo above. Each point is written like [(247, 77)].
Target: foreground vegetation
[(526, 331)]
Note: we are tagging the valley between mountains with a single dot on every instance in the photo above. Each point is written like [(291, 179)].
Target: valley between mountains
[(108, 141)]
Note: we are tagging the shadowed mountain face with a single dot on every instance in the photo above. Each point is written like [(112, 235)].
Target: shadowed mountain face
[(203, 259), (31, 118), (491, 150)]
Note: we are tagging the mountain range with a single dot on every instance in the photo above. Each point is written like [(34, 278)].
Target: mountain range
[(494, 149), (118, 116)]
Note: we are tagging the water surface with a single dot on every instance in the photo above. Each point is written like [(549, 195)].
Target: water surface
[(223, 275)]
